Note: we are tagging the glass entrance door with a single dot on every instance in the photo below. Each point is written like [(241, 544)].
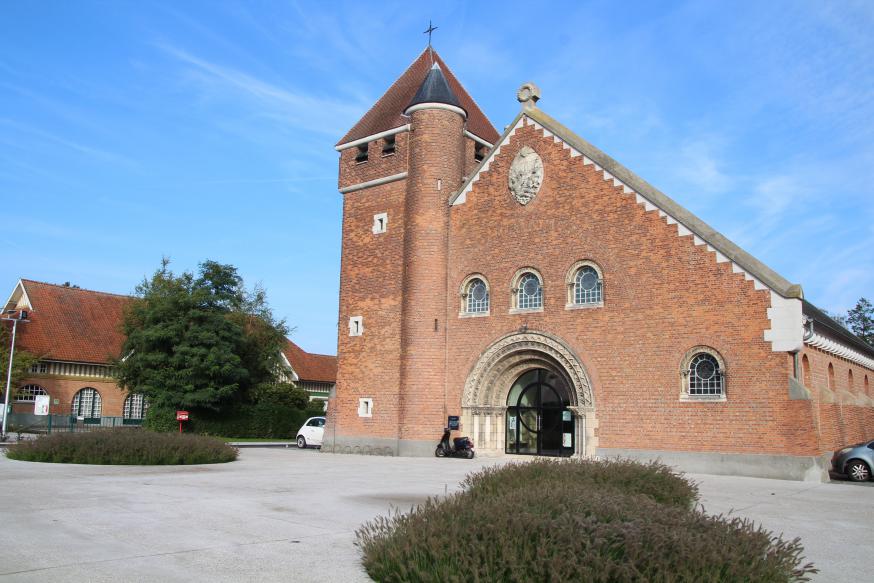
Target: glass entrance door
[(538, 419)]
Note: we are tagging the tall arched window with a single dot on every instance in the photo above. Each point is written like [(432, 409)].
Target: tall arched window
[(850, 386), (831, 377), (703, 375), (135, 406), (86, 404), (528, 291), (805, 371), (474, 295), (585, 285), (28, 393)]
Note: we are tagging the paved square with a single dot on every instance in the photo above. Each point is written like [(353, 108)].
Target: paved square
[(289, 515)]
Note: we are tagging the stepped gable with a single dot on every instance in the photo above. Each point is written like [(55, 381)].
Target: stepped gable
[(388, 112), (309, 366), (72, 324)]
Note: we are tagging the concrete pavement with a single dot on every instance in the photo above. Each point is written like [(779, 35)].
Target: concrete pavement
[(290, 515)]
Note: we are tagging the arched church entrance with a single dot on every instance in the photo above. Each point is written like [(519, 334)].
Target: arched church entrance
[(528, 393), (539, 420)]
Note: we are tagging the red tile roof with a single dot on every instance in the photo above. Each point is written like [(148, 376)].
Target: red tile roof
[(387, 113), (80, 325), (72, 324), (311, 367)]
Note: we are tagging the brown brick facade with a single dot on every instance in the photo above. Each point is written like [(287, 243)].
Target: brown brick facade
[(665, 291)]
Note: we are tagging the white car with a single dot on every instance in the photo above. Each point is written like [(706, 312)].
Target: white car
[(311, 432)]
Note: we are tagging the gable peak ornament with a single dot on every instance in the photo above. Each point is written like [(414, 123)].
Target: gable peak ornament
[(528, 95), (526, 175)]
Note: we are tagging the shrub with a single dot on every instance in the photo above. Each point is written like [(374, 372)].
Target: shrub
[(574, 521), (124, 446)]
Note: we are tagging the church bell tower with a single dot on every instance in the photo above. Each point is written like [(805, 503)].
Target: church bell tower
[(399, 166)]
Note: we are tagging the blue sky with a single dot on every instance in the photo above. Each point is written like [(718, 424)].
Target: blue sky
[(134, 130)]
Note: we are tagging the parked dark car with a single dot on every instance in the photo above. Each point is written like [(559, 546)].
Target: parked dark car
[(855, 461)]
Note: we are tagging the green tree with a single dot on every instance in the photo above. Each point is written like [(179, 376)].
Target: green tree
[(21, 362), (861, 320), (199, 341)]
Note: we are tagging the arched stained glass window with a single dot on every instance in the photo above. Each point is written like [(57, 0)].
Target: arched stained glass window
[(476, 297), (87, 404), (529, 293), (587, 286), (705, 376)]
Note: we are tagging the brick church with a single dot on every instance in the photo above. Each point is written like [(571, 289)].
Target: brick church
[(559, 305)]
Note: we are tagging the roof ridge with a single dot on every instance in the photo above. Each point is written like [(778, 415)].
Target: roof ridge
[(78, 289), (307, 352)]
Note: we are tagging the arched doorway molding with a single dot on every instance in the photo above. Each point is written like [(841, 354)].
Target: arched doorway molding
[(484, 401)]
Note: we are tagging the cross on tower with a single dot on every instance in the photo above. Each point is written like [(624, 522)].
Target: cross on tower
[(431, 29)]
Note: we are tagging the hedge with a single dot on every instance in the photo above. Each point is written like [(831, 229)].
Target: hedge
[(124, 446), (575, 520)]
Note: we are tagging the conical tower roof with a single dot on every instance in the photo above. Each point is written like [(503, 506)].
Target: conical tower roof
[(388, 112), (434, 89)]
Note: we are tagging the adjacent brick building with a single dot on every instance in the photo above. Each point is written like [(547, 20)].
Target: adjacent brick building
[(560, 305), (76, 334)]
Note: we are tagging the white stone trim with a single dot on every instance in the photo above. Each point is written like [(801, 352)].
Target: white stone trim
[(838, 349), (787, 331), (373, 137), (477, 139), (380, 223), (374, 182), (433, 105), (365, 407), (356, 325)]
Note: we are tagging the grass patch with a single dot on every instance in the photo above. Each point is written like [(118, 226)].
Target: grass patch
[(575, 520), (124, 446)]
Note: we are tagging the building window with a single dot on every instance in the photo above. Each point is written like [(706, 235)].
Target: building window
[(528, 291), (585, 285), (39, 368), (388, 145), (86, 404), (28, 393), (703, 375), (805, 371), (479, 152), (361, 153), (356, 326), (365, 407), (380, 223), (474, 296), (135, 406)]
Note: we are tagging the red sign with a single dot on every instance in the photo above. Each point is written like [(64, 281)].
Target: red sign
[(181, 415)]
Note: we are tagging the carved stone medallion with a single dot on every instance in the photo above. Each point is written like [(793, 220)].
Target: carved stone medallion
[(526, 175)]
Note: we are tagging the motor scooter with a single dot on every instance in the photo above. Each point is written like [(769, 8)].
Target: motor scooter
[(458, 447)]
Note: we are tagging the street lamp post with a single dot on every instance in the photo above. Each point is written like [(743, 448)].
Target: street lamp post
[(22, 315)]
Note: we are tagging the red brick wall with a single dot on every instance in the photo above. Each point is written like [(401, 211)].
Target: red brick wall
[(64, 389), (436, 166), (840, 418), (663, 295)]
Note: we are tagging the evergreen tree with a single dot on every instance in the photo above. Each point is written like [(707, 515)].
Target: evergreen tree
[(861, 320), (199, 341)]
